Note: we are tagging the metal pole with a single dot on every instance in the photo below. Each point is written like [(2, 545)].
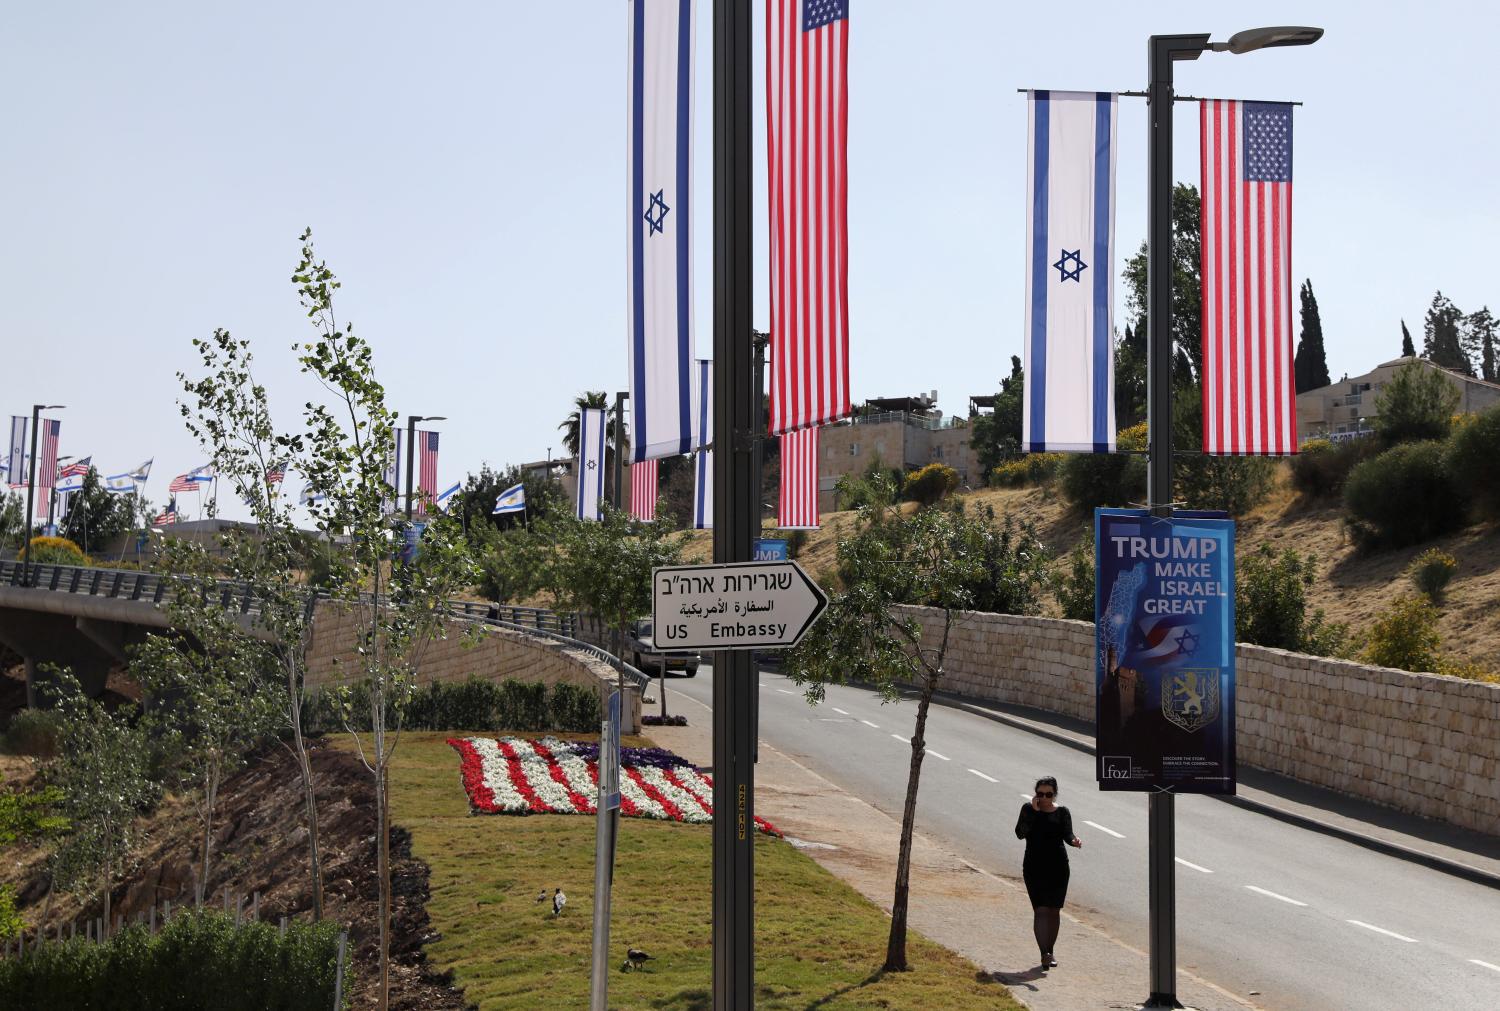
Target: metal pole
[(36, 411), (411, 435), (735, 508), (599, 971), (1162, 50), (619, 463)]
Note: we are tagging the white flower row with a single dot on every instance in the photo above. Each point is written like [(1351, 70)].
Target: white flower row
[(497, 775)]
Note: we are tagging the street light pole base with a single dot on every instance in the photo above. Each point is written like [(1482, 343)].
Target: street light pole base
[(1162, 1000)]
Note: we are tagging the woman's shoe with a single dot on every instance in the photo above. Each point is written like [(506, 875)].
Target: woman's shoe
[(1046, 960), (1050, 961)]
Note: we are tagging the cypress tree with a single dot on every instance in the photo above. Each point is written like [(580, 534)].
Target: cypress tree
[(1441, 342), (1408, 349), (1479, 341), (1311, 364)]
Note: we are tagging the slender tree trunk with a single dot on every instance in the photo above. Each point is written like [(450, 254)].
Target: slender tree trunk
[(383, 862), (309, 796), (210, 795), (108, 881), (895, 948)]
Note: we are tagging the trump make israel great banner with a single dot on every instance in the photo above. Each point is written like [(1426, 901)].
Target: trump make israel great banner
[(1164, 651)]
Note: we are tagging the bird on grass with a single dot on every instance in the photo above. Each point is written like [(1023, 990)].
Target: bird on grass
[(637, 957), (558, 901), (541, 896)]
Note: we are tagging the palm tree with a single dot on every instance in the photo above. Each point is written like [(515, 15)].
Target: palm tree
[(593, 399)]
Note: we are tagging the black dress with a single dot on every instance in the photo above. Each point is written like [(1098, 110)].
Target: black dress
[(1045, 867)]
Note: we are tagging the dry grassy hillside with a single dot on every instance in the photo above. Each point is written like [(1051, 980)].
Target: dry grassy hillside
[(1352, 585)]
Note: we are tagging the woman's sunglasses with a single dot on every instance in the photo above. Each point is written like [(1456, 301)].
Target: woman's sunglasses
[(1045, 793)]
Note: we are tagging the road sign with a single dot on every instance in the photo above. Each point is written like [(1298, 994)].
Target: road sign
[(747, 605)]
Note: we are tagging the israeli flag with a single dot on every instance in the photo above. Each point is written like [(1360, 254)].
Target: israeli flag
[(70, 484), (15, 457), (1070, 238), (703, 464), (511, 500), (590, 462), (129, 482), (311, 496), (446, 496), (660, 245)]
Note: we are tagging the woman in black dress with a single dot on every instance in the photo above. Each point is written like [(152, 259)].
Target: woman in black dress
[(1046, 828)]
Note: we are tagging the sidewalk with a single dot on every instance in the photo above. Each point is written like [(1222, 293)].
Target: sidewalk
[(985, 918)]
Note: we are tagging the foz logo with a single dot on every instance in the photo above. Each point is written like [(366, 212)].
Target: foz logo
[(1116, 767)]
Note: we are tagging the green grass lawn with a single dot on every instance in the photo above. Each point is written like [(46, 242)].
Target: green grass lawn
[(819, 944)]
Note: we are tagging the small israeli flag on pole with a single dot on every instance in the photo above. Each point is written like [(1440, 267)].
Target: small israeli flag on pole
[(590, 462), (445, 497), (1070, 237), (511, 500)]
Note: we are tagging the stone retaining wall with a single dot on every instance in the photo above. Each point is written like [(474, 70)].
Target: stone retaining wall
[(497, 654), (1422, 743)]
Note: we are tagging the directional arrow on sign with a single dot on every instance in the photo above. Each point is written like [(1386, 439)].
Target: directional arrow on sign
[(747, 605)]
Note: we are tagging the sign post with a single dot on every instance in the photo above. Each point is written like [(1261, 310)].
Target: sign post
[(606, 822)]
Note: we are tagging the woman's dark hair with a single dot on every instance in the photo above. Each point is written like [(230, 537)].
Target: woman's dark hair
[(1047, 781)]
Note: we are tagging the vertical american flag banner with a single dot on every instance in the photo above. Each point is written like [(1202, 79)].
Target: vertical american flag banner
[(590, 462), (1070, 236), (798, 505), (427, 460), (1249, 390), (643, 489), (660, 246), (703, 460), (15, 456), (46, 463), (807, 130)]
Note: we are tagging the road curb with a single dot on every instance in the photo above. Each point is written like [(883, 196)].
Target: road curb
[(1461, 870)]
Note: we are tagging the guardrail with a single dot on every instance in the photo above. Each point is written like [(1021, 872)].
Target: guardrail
[(151, 588)]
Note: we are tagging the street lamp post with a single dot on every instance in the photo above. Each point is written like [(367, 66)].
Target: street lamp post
[(36, 412), (1162, 52), (618, 497), (411, 450)]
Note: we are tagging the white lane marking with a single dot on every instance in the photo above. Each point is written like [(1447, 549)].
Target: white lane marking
[(1106, 831), (1485, 964), (983, 776), (903, 740), (1187, 863), (1283, 898), (869, 724), (763, 684), (1025, 796), (939, 754), (785, 692), (1382, 930), (839, 711)]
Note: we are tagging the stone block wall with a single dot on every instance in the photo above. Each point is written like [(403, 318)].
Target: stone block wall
[(498, 653), (1422, 743)]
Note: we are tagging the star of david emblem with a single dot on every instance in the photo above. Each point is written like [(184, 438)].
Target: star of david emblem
[(1074, 273), (1187, 643), (593, 464), (656, 213)]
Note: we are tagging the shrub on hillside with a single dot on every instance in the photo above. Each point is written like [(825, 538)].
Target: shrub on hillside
[(1431, 570), (33, 732), (1405, 495), (877, 485), (1417, 404), (796, 539), (1270, 604), (1234, 484), (1108, 479), (1320, 467), (1405, 636), (1027, 469), (56, 551), (1473, 453), (198, 960), (1075, 588), (10, 920), (931, 484)]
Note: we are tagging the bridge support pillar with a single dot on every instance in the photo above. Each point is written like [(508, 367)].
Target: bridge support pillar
[(47, 640)]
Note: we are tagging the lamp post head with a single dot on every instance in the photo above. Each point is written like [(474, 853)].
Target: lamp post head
[(50, 407), (1251, 39)]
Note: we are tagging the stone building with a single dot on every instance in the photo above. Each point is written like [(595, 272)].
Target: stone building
[(1347, 407), (903, 432)]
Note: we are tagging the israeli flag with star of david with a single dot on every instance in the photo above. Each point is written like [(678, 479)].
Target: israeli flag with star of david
[(660, 248), (591, 460), (1070, 238)]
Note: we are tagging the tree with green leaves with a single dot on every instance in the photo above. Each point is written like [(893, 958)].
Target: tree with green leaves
[(934, 558), (1442, 341), (12, 519), (1310, 366), (398, 605), (475, 505), (996, 437), (1187, 289), (592, 400), (1418, 403), (1408, 349), (1130, 378), (94, 516), (1480, 335)]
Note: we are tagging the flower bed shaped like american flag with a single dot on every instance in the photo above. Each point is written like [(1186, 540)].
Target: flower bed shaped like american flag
[(514, 775)]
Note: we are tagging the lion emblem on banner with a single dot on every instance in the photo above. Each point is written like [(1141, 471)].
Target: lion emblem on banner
[(1190, 697)]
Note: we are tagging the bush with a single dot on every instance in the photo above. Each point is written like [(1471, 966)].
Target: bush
[(876, 486), (1090, 480), (475, 704), (1075, 590), (1027, 469), (1320, 467), (1270, 604), (1473, 453), (10, 920), (1416, 405), (198, 960), (796, 540), (56, 551), (1431, 571), (1405, 495), (33, 732), (1234, 484), (931, 484), (1405, 636)]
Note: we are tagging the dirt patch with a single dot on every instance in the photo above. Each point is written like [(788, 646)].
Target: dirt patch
[(260, 845)]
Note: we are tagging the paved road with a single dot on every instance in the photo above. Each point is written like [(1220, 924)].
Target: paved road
[(1303, 920)]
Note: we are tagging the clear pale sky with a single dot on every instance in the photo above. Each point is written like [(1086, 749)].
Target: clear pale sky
[(462, 166)]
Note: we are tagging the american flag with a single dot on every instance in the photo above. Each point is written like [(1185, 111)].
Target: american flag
[(192, 479), (78, 468), (807, 130), (167, 515), (643, 477), (798, 505), (1249, 391), (427, 452), (276, 473), (47, 461)]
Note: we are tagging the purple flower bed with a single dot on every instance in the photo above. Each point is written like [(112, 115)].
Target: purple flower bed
[(651, 720), (659, 758)]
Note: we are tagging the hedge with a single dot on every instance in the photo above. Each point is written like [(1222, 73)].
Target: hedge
[(475, 704), (1405, 495), (198, 960)]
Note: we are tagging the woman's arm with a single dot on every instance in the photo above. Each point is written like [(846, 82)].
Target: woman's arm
[(1026, 822), (1067, 827)]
